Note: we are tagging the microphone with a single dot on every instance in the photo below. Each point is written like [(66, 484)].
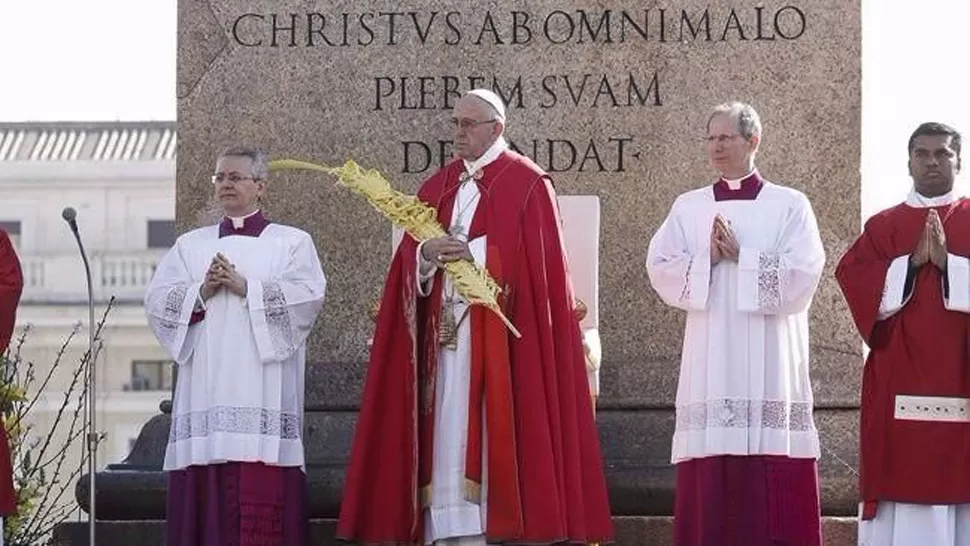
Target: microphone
[(69, 214)]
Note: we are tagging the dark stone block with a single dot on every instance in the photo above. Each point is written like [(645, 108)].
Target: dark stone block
[(635, 444), (125, 494), (111, 533), (624, 384), (630, 531)]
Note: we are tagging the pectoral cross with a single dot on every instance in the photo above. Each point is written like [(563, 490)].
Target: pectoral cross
[(464, 176), (458, 231), (448, 330)]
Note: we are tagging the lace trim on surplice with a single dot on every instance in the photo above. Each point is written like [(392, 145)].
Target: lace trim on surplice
[(769, 282), (741, 413), (278, 319), (236, 420), (168, 323)]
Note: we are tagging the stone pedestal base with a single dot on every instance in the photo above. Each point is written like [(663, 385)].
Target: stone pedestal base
[(630, 531), (635, 446), (634, 438)]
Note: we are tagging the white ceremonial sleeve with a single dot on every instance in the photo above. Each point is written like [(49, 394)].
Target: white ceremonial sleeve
[(957, 292), (169, 300), (680, 277), (426, 271), (594, 356), (282, 310), (894, 295), (477, 249), (783, 282)]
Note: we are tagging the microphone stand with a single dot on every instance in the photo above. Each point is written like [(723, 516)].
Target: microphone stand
[(93, 438)]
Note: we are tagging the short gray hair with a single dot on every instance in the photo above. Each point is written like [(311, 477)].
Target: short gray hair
[(259, 158), (749, 123)]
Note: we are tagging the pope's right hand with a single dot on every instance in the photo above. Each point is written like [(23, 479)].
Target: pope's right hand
[(445, 249)]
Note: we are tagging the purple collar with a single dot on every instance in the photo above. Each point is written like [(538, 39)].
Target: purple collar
[(253, 225), (750, 187)]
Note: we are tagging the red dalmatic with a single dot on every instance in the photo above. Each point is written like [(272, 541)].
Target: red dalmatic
[(545, 471), (922, 350), (11, 286)]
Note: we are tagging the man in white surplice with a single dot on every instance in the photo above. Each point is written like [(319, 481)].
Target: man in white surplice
[(233, 304), (743, 257)]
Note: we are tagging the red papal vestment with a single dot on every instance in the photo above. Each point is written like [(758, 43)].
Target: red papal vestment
[(531, 437)]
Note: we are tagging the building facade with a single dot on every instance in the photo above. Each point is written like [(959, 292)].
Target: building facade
[(120, 178)]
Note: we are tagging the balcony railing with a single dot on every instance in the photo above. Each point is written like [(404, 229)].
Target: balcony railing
[(60, 278)]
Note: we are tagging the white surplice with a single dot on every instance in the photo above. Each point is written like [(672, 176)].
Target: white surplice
[(239, 394), (744, 385), (909, 524), (449, 514), (906, 524)]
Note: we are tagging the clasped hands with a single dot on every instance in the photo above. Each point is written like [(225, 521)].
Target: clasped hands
[(222, 274), (932, 243), (446, 249), (724, 244)]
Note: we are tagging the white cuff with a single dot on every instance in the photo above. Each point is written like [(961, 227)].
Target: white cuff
[(593, 377), (958, 278), (477, 247), (257, 317), (185, 347), (697, 285), (594, 355), (750, 297), (893, 289), (425, 273)]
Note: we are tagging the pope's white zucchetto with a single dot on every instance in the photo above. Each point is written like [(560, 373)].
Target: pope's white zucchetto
[(492, 99)]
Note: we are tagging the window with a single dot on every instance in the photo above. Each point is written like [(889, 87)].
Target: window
[(161, 233), (151, 375), (12, 227)]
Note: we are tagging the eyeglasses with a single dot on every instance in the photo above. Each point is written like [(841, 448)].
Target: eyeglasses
[(721, 139), (466, 124), (234, 178)]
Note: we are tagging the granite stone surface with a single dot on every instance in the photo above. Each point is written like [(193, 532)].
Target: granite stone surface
[(611, 97)]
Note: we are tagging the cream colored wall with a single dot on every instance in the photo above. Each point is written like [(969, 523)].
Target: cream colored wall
[(114, 200)]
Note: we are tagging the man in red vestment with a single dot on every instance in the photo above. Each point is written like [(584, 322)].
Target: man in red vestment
[(467, 434), (907, 283), (11, 286)]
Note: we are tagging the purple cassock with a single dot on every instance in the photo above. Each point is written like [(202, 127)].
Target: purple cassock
[(237, 503), (749, 500)]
